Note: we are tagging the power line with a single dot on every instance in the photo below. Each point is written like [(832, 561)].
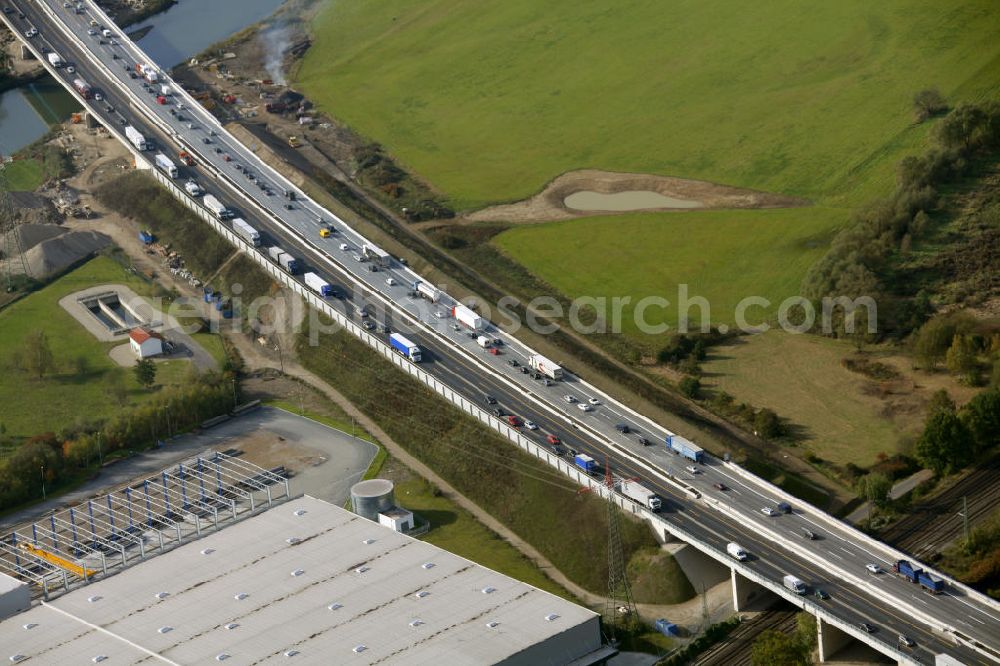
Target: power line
[(13, 250)]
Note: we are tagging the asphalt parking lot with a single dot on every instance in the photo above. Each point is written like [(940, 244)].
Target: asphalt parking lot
[(323, 462)]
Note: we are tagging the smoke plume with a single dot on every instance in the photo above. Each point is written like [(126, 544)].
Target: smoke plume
[(276, 41)]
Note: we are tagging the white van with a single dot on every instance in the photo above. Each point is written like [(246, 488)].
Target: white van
[(736, 551)]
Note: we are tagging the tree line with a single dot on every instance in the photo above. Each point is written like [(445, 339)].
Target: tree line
[(56, 458), (860, 259)]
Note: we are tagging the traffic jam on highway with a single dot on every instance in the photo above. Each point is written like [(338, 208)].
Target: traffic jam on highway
[(527, 391)]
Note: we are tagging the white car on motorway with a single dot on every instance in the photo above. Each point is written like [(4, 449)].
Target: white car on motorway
[(768, 511), (693, 469), (873, 568), (584, 407), (530, 425), (390, 281), (594, 401), (344, 247), (570, 399)]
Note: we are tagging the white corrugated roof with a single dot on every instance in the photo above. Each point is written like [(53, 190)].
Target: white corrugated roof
[(305, 576)]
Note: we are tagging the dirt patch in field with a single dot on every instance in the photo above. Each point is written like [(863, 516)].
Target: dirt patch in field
[(549, 204)]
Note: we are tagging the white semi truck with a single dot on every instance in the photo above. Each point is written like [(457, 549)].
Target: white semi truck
[(136, 138), (430, 292), (376, 255), (217, 208), (241, 227), (467, 317), (540, 364), (167, 165), (637, 492), (318, 284)]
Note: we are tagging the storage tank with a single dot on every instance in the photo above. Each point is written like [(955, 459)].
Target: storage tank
[(371, 497)]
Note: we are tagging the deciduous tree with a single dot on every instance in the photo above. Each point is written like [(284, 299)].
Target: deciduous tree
[(928, 103), (774, 647), (946, 443), (145, 372), (37, 355), (960, 358), (982, 416), (767, 424), (874, 487)]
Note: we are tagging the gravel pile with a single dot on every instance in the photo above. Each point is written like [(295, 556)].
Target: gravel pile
[(49, 248)]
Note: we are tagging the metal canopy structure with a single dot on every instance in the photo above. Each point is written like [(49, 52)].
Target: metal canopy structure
[(76, 545)]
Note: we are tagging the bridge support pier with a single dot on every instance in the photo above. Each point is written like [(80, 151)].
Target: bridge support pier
[(745, 592), (830, 639)]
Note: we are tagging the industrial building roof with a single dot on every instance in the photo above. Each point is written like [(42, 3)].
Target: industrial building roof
[(309, 580)]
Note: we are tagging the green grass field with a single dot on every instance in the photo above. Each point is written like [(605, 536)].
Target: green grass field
[(489, 101), (800, 378), (25, 175), (31, 405), (723, 256), (457, 531)]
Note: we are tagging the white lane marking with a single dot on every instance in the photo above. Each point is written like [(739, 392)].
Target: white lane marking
[(838, 556), (849, 552), (976, 619), (976, 608)]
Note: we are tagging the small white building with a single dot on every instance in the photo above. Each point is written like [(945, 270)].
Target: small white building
[(145, 343), (396, 518)]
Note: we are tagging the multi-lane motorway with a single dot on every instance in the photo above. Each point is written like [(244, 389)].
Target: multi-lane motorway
[(834, 562)]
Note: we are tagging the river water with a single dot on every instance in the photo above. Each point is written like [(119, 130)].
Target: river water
[(184, 30)]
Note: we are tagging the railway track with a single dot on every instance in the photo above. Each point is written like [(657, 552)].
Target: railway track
[(735, 650), (934, 524)]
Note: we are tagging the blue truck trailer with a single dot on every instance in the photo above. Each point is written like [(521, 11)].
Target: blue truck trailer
[(586, 463), (404, 347), (930, 583), (686, 448), (907, 570)]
